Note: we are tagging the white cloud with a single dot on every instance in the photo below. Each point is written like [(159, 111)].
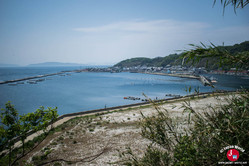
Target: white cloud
[(117, 41), (144, 26)]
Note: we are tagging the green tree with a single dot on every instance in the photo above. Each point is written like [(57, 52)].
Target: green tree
[(9, 128), (14, 127)]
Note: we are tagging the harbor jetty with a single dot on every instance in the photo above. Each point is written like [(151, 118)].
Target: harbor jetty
[(62, 73), (30, 79)]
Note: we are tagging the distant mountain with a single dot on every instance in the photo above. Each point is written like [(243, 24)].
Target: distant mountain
[(54, 64), (8, 65)]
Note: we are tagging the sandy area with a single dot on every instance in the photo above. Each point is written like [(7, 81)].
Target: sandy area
[(98, 140)]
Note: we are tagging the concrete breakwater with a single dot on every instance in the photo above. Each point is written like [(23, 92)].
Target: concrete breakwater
[(29, 78), (37, 77), (62, 73)]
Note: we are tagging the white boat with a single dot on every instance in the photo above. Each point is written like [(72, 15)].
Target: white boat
[(213, 80)]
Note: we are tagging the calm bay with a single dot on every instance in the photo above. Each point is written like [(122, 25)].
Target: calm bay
[(84, 91)]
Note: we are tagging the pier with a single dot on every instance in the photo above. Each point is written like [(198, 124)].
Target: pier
[(176, 75), (205, 81)]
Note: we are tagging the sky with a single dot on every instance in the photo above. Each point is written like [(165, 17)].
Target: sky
[(104, 32)]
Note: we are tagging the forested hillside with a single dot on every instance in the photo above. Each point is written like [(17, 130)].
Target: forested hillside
[(175, 59)]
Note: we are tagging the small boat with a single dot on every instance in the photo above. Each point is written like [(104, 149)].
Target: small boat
[(213, 81), (132, 98)]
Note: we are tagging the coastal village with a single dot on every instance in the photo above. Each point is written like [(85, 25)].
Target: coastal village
[(179, 69)]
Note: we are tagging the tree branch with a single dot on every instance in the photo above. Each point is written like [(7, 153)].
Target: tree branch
[(86, 159), (21, 156)]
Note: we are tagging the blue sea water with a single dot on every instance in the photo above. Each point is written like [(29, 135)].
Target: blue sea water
[(87, 90)]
